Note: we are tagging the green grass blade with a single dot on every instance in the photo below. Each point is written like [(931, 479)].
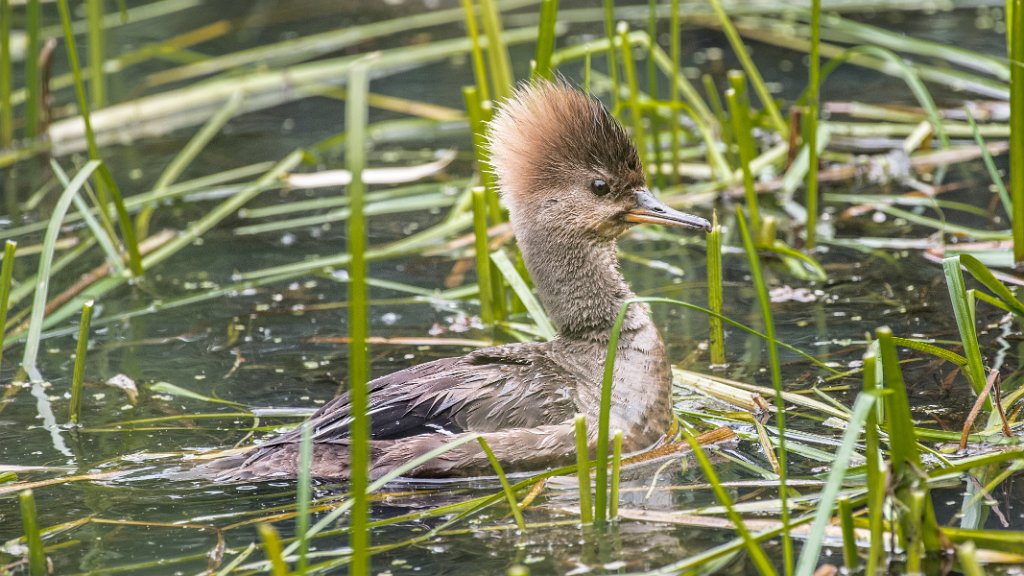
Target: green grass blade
[(356, 114), (6, 272), (990, 164), (510, 495), (985, 276), (97, 80), (35, 328), (78, 376), (523, 292), (773, 358), (811, 128), (715, 300), (963, 310), (497, 50), (33, 75), (545, 38), (1015, 37), (476, 52), (613, 499), (303, 495), (757, 555), (811, 552), (774, 116), (6, 111), (482, 249), (272, 548), (583, 470), (739, 110), (613, 60), (36, 555)]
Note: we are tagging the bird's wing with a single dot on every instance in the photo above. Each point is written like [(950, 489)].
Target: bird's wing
[(453, 395)]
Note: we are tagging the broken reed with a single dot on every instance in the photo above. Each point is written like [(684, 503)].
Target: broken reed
[(78, 376), (33, 537), (356, 116), (716, 331), (6, 272), (583, 470)]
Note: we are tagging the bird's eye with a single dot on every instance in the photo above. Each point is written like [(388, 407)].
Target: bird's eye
[(599, 187)]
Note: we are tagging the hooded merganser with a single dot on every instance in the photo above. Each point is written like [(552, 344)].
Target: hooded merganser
[(573, 183)]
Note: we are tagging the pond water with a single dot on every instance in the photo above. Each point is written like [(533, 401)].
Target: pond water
[(281, 344)]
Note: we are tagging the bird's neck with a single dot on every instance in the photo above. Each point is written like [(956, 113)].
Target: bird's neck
[(579, 284)]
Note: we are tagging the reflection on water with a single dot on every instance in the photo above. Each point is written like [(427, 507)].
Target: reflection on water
[(277, 345)]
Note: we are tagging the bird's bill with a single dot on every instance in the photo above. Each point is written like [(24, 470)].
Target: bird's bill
[(650, 210)]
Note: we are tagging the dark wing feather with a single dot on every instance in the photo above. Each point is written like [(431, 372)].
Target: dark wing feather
[(515, 385)]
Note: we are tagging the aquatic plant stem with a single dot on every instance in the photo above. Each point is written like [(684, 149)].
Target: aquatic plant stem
[(6, 112), (356, 114), (776, 373), (583, 470), (77, 377), (875, 477), (6, 272), (105, 182), (272, 548), (33, 76), (29, 522), (510, 495), (1015, 33), (545, 39), (716, 331), (811, 129), (303, 495), (739, 110), (483, 261), (613, 64), (476, 52), (613, 500), (97, 81)]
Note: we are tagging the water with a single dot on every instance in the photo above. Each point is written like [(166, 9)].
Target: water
[(279, 345)]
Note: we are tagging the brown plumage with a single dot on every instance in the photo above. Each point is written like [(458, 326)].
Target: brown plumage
[(573, 183)]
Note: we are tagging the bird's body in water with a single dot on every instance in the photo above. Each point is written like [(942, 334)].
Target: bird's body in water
[(573, 183)]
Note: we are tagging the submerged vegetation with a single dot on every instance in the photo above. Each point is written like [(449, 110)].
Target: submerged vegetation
[(838, 438)]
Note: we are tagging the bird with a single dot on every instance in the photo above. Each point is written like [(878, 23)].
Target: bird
[(573, 183)]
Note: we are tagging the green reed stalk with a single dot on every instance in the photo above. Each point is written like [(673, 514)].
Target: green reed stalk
[(6, 272), (483, 260), (36, 555), (479, 70), (105, 183), (303, 495), (97, 81), (811, 127), (272, 548), (497, 50), (963, 311), (773, 358), (6, 112), (875, 477), (724, 126), (545, 39), (904, 454), (774, 117), (673, 94), (990, 165), (33, 75), (1015, 34), (739, 109), (811, 551), (78, 376), (629, 67), (510, 495), (851, 560), (652, 91), (716, 331), (966, 555), (613, 65), (613, 499), (35, 327), (757, 555), (583, 470), (356, 115)]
